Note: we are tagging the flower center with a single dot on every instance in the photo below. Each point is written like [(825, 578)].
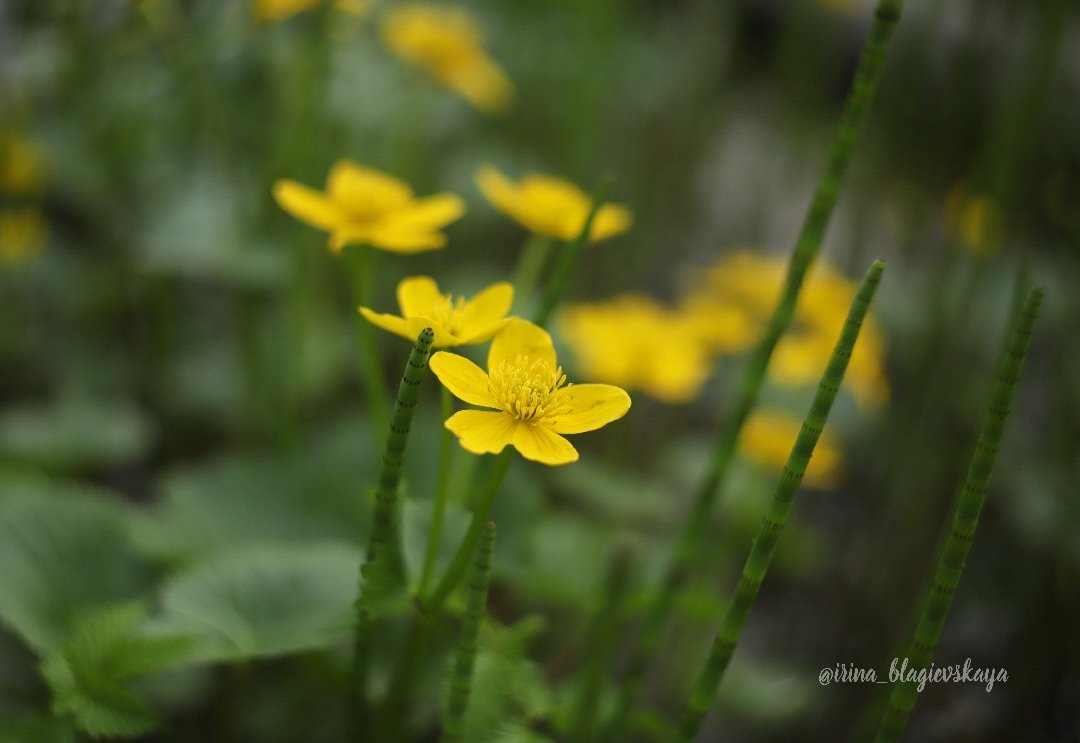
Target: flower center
[(449, 313), (525, 388)]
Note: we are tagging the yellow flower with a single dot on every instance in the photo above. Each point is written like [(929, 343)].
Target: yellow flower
[(634, 341), (767, 438), (533, 404), (550, 206), (277, 10), (21, 165), (973, 221), (22, 235), (364, 205), (447, 43), (456, 321), (743, 289)]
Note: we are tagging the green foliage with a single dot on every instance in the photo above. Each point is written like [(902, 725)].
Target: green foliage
[(63, 553), (89, 673), (508, 689), (262, 601)]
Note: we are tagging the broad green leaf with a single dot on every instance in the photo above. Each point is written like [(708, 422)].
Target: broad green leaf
[(74, 432), (264, 601), (314, 494), (63, 554)]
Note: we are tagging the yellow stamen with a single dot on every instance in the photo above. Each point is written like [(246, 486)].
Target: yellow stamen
[(525, 388)]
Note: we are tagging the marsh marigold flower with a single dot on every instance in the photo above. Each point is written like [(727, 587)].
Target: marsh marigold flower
[(532, 403), (456, 321), (972, 221), (751, 284), (550, 206), (277, 10), (23, 234), (768, 436), (364, 205), (635, 341), (447, 43)]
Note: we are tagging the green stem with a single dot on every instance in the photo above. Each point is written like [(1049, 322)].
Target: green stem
[(362, 267), (468, 641), (534, 256), (848, 131), (761, 553), (383, 566), (456, 571), (438, 514), (560, 278), (950, 564)]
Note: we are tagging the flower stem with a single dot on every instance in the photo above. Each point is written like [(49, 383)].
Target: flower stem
[(965, 519), (848, 131), (442, 488), (468, 641), (534, 256), (383, 569), (456, 571), (761, 553), (362, 267), (560, 278)]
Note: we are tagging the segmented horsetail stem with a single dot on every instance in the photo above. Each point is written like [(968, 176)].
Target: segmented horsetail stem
[(383, 533), (384, 550), (465, 656), (761, 553), (560, 279), (852, 122), (965, 519)]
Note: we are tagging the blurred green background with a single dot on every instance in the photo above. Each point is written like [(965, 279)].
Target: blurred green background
[(178, 356)]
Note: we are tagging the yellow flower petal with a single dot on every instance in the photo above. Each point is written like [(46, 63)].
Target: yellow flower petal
[(396, 325), (482, 431), (521, 338), (308, 205), (418, 295), (462, 377), (483, 84), (497, 188), (365, 190), (427, 214), (443, 337), (588, 407), (396, 241), (611, 220), (485, 314), (540, 444)]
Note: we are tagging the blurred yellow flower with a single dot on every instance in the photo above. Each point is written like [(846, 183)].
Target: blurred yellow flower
[(973, 221), (741, 291), (533, 404), (636, 342), (277, 10), (456, 321), (447, 43), (23, 234), (767, 438), (364, 205), (22, 168), (550, 206)]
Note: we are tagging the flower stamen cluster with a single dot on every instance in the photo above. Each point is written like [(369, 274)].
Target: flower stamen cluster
[(525, 388)]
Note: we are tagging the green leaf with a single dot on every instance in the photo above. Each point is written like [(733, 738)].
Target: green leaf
[(87, 673), (314, 494), (507, 687), (63, 553), (74, 432), (264, 601)]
